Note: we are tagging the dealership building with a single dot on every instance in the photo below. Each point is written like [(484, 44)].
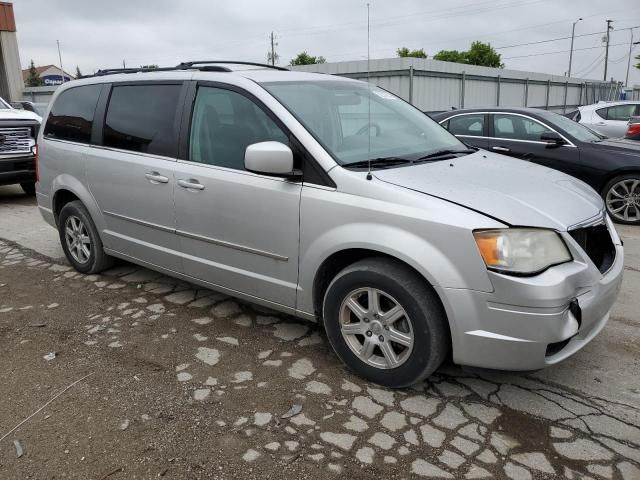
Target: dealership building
[(50, 75)]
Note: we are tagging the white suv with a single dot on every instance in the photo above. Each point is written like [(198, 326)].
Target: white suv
[(18, 132)]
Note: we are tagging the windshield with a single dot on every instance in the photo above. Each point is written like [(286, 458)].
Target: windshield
[(576, 130), (355, 122)]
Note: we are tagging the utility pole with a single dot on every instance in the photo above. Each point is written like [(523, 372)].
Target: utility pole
[(272, 56), (573, 33), (60, 58), (606, 53), (631, 44)]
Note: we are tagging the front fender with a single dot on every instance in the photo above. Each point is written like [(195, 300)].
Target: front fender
[(438, 267)]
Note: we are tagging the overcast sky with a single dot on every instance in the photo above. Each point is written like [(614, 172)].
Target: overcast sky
[(99, 34)]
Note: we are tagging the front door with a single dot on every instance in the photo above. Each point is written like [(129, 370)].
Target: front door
[(237, 229), (131, 173), (519, 136)]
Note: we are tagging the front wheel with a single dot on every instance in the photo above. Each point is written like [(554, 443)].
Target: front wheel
[(385, 322), (622, 199)]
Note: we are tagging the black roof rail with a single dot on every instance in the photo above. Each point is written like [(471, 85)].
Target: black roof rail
[(228, 62), (203, 65)]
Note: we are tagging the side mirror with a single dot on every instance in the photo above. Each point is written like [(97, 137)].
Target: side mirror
[(271, 158), (552, 138)]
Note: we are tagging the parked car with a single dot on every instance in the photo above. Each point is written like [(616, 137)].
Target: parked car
[(607, 118), (37, 108), (633, 129), (331, 200), (18, 150), (610, 166)]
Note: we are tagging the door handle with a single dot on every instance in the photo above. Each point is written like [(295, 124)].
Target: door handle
[(155, 177), (602, 123), (500, 149), (191, 183)]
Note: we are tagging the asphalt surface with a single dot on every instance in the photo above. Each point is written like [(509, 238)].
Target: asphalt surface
[(180, 382)]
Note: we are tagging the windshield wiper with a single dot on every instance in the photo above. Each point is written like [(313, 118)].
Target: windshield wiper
[(444, 153), (380, 162)]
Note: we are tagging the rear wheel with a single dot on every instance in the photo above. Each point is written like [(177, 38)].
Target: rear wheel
[(29, 188), (80, 240), (622, 199), (385, 322)]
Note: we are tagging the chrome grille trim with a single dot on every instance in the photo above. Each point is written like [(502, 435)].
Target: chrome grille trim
[(16, 140)]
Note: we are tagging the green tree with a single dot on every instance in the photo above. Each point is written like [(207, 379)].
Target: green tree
[(483, 54), (33, 80), (479, 53), (637, 57), (78, 72), (450, 56), (405, 52), (304, 58)]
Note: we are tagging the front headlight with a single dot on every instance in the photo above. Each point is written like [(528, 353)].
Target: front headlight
[(521, 251)]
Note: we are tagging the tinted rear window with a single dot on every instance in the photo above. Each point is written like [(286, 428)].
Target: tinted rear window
[(71, 116), (141, 118)]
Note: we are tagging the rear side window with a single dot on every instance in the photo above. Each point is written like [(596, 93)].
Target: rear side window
[(71, 116), (469, 125), (141, 118)]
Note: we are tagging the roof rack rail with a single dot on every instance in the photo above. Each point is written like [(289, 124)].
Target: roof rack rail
[(228, 62), (203, 65)]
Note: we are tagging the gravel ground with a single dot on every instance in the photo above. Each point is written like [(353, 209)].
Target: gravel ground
[(179, 382)]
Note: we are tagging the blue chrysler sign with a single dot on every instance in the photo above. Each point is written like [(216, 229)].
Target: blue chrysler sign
[(50, 80)]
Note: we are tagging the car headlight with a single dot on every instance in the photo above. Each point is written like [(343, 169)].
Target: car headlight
[(521, 251)]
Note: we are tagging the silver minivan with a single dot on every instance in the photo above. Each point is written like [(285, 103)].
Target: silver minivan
[(335, 201)]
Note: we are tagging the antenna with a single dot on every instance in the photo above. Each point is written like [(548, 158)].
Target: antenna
[(369, 176)]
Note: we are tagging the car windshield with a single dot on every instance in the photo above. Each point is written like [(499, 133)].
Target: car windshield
[(356, 122), (576, 130)]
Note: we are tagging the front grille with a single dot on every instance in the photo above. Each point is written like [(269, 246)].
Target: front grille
[(15, 140), (597, 244)]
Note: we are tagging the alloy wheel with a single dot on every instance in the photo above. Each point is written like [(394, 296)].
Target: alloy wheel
[(376, 328), (623, 200), (78, 240)]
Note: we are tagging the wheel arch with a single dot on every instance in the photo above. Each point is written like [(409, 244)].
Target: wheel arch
[(341, 259), (616, 173), (67, 188)]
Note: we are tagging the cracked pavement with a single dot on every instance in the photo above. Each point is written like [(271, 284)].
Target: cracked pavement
[(190, 383)]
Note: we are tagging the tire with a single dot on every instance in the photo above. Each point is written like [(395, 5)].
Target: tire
[(74, 225), (423, 319), (29, 188), (623, 192)]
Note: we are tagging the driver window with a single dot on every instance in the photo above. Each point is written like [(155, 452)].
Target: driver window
[(620, 112), (518, 128), (224, 124)]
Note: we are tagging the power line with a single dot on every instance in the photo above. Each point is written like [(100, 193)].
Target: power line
[(547, 41), (561, 51), (592, 66)]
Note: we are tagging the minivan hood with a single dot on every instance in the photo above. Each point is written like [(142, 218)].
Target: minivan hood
[(513, 191)]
